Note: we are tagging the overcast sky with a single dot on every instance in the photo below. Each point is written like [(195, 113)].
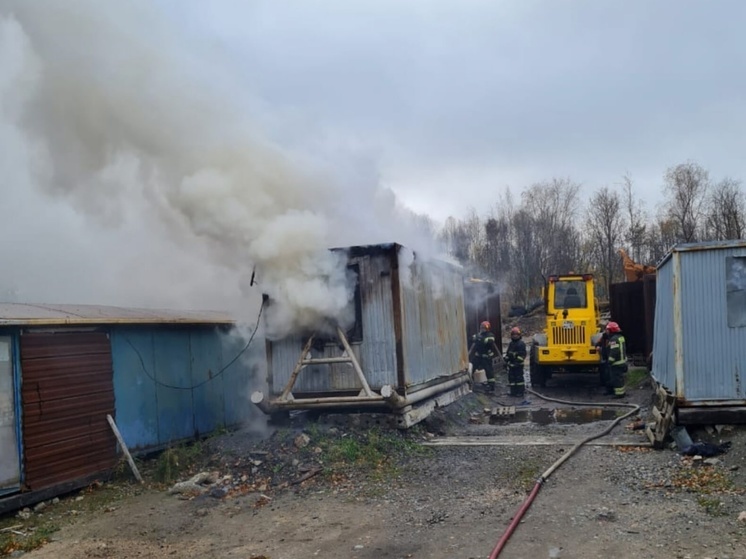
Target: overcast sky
[(454, 101), (152, 150)]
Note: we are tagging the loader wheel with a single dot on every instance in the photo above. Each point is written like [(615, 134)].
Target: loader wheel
[(538, 372)]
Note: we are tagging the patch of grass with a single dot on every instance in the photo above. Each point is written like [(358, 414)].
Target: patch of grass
[(636, 376), (713, 507), (174, 462), (527, 474), (374, 450), (34, 539)]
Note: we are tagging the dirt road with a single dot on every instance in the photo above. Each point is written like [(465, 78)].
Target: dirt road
[(450, 502)]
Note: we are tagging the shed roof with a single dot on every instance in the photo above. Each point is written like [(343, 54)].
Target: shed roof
[(704, 245), (27, 314)]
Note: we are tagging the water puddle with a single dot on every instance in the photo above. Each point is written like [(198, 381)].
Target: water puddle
[(547, 416)]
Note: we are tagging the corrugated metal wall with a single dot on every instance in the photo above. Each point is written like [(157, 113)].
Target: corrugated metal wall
[(169, 387), (711, 366), (714, 353), (10, 464), (433, 319), (426, 298), (649, 283), (376, 353), (67, 391)]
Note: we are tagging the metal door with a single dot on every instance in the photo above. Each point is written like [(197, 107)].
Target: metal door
[(10, 468)]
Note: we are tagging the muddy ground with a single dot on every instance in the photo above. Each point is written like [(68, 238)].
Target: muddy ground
[(346, 489)]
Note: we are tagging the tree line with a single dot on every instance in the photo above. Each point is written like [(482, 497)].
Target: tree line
[(550, 228)]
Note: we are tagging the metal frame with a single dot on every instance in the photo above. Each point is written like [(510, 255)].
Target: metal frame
[(366, 394)]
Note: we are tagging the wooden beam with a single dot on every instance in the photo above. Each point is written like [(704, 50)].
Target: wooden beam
[(124, 448), (298, 366), (735, 415), (355, 364)]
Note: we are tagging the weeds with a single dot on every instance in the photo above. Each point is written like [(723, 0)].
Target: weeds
[(713, 507), (25, 541), (375, 450), (636, 376), (527, 475), (175, 461)]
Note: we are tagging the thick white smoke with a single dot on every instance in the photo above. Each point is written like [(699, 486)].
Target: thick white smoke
[(139, 175)]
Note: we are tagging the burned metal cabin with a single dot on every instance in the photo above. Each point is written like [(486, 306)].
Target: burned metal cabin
[(408, 342), (699, 350), (163, 376)]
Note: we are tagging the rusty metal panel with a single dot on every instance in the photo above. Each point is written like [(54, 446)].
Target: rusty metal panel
[(433, 318), (627, 302), (67, 391), (482, 302)]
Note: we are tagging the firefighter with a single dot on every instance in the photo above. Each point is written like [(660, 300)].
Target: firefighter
[(514, 358), (617, 360), (484, 349), (602, 347)]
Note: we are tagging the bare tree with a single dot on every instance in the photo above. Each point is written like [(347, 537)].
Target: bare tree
[(605, 226), (662, 235), (686, 188), (525, 277), (455, 237), (636, 220), (726, 211), (553, 207)]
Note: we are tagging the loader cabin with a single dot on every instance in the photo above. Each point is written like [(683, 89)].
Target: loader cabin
[(566, 345), (568, 292)]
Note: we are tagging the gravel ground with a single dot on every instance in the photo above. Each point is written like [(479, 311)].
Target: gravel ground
[(443, 502)]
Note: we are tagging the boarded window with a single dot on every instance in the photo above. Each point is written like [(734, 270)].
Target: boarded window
[(735, 277)]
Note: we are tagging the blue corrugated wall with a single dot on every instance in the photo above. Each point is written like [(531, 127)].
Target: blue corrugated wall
[(168, 383)]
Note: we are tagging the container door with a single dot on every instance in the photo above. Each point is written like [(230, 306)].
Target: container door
[(10, 468), (67, 392)]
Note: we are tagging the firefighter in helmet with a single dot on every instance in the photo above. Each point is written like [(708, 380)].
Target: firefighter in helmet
[(615, 352), (515, 356), (484, 349)]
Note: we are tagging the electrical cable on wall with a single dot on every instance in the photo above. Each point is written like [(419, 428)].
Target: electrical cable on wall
[(213, 377)]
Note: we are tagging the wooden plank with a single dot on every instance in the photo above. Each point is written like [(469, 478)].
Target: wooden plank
[(650, 434), (124, 448), (657, 414)]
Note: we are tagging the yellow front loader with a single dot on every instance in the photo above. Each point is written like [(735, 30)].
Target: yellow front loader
[(567, 344)]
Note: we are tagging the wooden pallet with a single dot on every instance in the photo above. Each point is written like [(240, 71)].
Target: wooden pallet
[(663, 412), (503, 411)]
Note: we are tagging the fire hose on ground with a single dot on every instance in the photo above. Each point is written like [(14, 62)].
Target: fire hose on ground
[(502, 542)]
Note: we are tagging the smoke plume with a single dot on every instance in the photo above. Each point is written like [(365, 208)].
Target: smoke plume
[(139, 173)]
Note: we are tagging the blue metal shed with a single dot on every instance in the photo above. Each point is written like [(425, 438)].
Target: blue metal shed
[(165, 376), (699, 350)]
